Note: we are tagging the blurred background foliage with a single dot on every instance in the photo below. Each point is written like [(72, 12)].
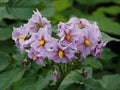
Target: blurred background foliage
[(106, 69)]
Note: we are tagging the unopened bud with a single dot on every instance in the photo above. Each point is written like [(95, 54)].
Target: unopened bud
[(25, 62), (55, 75), (84, 74)]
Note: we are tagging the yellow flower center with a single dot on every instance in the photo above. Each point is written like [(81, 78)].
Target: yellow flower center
[(21, 37), (68, 37), (60, 53), (35, 58), (41, 42), (87, 42)]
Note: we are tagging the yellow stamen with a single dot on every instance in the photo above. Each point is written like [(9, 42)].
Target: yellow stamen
[(21, 37), (42, 42), (68, 37), (60, 53), (87, 42), (35, 58)]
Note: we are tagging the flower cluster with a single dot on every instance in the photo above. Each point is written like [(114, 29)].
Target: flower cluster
[(76, 36)]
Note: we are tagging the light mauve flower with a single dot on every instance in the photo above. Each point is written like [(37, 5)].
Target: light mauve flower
[(41, 40), (96, 31), (76, 35), (83, 24), (80, 24), (20, 36), (61, 54), (68, 34), (38, 57), (37, 21), (61, 27), (87, 43), (99, 49)]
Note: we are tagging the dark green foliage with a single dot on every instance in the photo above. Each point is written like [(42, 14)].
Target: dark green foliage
[(90, 74)]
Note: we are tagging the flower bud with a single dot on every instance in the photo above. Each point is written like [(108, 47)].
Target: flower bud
[(84, 74), (25, 62), (55, 75)]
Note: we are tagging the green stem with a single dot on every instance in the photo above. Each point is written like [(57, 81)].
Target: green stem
[(60, 68), (60, 80), (64, 70)]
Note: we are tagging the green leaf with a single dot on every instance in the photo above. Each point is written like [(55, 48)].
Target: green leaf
[(19, 58), (21, 9), (43, 82), (88, 2), (58, 18), (4, 1), (68, 13), (61, 5), (5, 33), (116, 1), (54, 28), (110, 82), (24, 84), (90, 61), (107, 38), (4, 13), (92, 84), (7, 46), (106, 25), (89, 71), (47, 12), (36, 67), (107, 54), (32, 82), (113, 10), (4, 60), (7, 78), (93, 2), (72, 78)]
